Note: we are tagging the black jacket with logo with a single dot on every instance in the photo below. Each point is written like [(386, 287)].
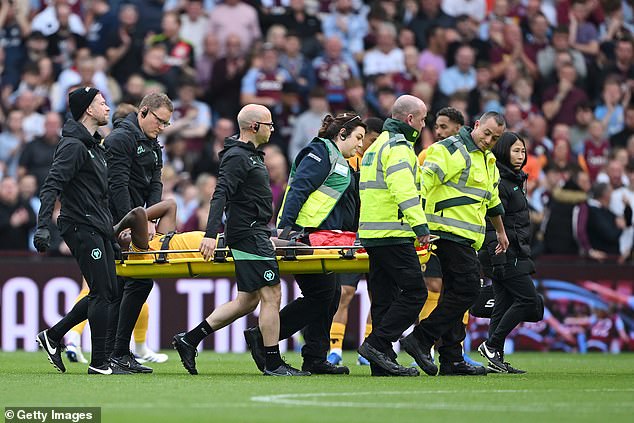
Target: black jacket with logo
[(517, 225), (135, 164), (79, 177), (243, 189)]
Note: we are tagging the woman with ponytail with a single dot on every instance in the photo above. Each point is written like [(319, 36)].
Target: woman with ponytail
[(516, 299)]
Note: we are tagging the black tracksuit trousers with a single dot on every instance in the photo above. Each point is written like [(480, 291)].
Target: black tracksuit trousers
[(131, 295), (515, 300), (397, 290), (312, 312), (95, 255), (460, 289)]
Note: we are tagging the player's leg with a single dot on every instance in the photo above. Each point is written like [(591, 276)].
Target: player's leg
[(141, 351), (73, 337), (348, 282)]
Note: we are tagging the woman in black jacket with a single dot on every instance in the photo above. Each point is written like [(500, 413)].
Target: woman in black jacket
[(516, 299)]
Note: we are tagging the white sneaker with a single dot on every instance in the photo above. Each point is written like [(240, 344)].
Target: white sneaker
[(152, 357), (74, 354)]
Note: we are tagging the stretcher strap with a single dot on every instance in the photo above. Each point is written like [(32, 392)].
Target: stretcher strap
[(165, 245)]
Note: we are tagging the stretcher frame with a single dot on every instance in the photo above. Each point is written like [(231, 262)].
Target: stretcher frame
[(335, 259)]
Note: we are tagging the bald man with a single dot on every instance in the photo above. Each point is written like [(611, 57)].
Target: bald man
[(391, 219), (244, 193)]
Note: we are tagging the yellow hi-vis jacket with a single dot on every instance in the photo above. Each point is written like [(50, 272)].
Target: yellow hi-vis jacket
[(391, 210), (460, 188)]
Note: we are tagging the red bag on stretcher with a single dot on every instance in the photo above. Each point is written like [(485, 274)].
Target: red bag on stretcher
[(332, 238)]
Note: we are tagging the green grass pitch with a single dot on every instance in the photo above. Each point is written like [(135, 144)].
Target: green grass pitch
[(558, 388)]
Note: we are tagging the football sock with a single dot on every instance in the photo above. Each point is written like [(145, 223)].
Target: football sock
[(337, 331), (368, 330), (140, 329), (194, 336), (273, 359), (430, 304)]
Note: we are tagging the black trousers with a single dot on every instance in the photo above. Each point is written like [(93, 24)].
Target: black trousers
[(397, 290), (95, 255), (461, 285), (131, 295), (312, 312), (515, 300)]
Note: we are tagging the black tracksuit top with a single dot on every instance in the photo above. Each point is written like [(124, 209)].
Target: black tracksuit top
[(243, 189), (135, 163), (79, 177)]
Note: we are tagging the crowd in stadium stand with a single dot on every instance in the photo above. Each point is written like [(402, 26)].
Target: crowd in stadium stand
[(561, 72)]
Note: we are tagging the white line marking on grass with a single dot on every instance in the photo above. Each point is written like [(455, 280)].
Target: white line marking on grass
[(317, 400)]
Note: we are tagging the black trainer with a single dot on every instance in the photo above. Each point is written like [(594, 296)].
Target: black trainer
[(254, 340), (108, 369), (324, 368), (512, 370), (186, 352), (461, 368), (52, 349), (383, 361), (411, 346), (496, 363), (129, 363), (285, 370)]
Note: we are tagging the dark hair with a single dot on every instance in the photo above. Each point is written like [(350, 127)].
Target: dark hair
[(331, 126), (502, 149), (598, 190), (452, 113), (499, 119), (374, 124)]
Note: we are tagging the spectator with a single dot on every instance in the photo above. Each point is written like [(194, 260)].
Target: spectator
[(179, 52), (17, 217), (333, 70), (466, 32), (12, 140), (598, 229), (226, 79), (474, 8), (436, 50), (386, 57), (558, 236), (277, 167), (197, 221), (583, 36), (614, 174), (263, 83), (65, 40), (191, 119), (299, 21), (584, 115), (205, 62), (56, 14), (308, 123), (194, 26), (623, 63), (621, 199), (510, 49), (28, 190), (560, 101), (621, 138), (37, 156), (133, 91), (347, 24), (33, 121), (429, 14), (14, 27), (152, 11), (297, 65), (461, 76), (486, 94), (355, 98), (403, 82), (208, 161), (153, 69), (124, 45), (101, 20), (596, 149), (537, 38), (235, 17), (522, 95), (611, 112), (560, 43)]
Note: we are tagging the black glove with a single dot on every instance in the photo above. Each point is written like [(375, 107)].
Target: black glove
[(498, 272), (42, 239), (117, 250)]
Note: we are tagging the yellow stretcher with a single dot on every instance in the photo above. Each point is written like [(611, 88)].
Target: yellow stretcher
[(335, 259)]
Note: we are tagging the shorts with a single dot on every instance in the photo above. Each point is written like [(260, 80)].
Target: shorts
[(255, 263), (432, 267), (349, 279)]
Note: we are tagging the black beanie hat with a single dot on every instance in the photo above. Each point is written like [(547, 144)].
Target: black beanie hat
[(80, 99)]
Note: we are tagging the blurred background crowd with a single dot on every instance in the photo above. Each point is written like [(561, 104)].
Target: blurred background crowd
[(561, 72)]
